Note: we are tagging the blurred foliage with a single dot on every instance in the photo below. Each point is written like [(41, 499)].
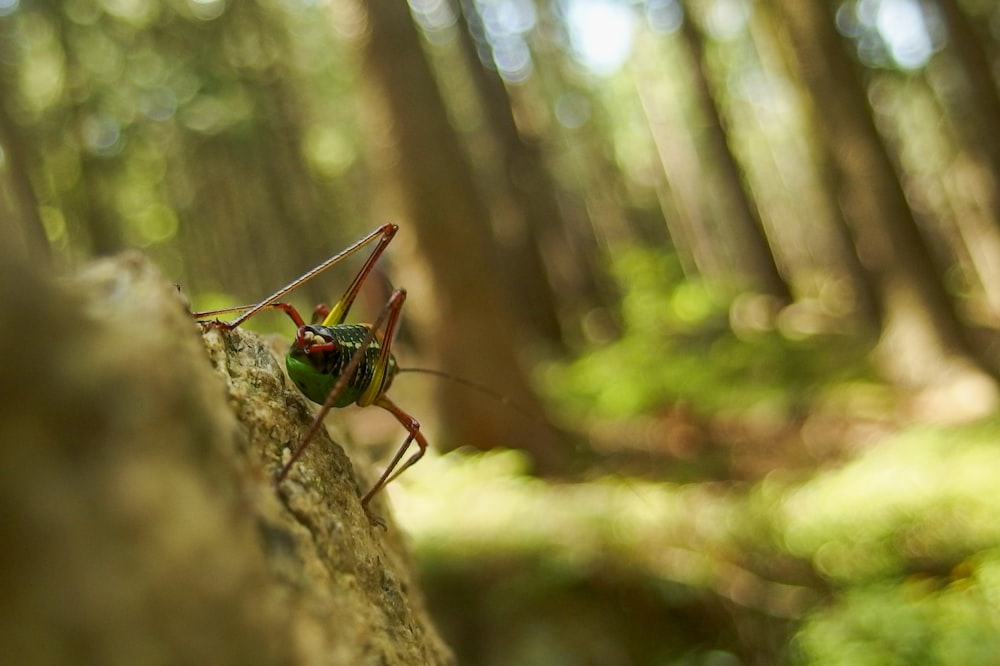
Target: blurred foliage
[(925, 495), (911, 621), (613, 571), (161, 126), (704, 343), (893, 558), (907, 535)]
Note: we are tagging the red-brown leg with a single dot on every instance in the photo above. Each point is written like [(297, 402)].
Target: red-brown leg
[(384, 234), (228, 326), (394, 469)]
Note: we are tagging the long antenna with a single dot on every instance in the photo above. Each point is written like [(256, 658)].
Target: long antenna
[(483, 389)]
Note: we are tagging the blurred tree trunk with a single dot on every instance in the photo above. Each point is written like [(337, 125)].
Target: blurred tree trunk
[(95, 200), (863, 282), (922, 338), (753, 247), (22, 229), (91, 198), (225, 192), (841, 254), (984, 120), (469, 327), (521, 192), (977, 111), (580, 161), (257, 217), (680, 167), (677, 190), (253, 218)]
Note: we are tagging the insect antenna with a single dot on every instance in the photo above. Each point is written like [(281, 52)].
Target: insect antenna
[(525, 412), (482, 389)]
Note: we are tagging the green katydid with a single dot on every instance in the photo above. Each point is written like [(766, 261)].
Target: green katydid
[(336, 364)]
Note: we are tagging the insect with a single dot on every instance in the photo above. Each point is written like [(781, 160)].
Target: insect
[(336, 364)]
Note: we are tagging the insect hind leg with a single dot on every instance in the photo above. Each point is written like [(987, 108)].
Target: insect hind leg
[(394, 468)]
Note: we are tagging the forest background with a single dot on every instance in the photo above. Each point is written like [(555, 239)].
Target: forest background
[(743, 256)]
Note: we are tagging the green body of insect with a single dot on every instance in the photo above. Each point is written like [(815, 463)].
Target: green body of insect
[(336, 364), (316, 372)]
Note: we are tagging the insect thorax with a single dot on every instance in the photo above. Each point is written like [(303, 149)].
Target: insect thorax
[(316, 373)]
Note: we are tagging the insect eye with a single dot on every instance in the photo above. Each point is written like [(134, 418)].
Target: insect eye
[(313, 342)]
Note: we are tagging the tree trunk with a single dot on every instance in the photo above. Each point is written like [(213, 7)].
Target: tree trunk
[(922, 342), (522, 197), (465, 316), (753, 247), (835, 248), (680, 167), (22, 227), (142, 523), (978, 123), (976, 66)]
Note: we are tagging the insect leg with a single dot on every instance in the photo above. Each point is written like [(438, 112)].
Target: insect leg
[(374, 395), (394, 469), (384, 234), (284, 307), (379, 374), (338, 313)]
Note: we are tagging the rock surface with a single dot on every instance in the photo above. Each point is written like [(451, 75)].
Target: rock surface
[(141, 523)]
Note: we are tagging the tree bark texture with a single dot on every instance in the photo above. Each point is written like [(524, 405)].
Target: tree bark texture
[(142, 523)]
